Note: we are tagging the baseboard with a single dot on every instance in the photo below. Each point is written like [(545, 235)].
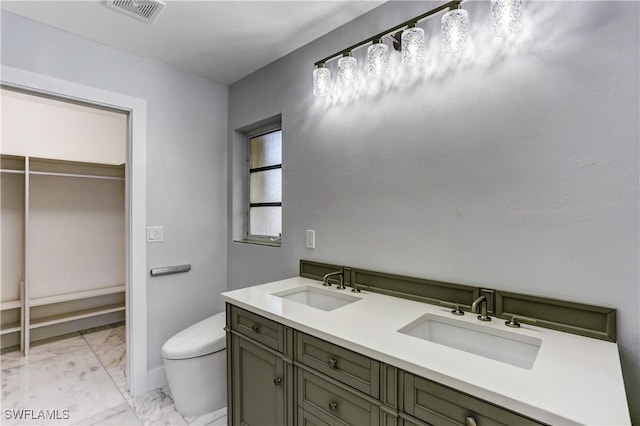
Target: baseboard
[(156, 378)]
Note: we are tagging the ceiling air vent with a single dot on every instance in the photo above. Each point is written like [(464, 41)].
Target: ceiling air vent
[(144, 10)]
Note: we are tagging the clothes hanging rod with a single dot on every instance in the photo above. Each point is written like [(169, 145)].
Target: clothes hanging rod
[(450, 5)]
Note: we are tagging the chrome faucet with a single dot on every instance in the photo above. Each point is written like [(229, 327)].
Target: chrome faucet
[(482, 300), (325, 279)]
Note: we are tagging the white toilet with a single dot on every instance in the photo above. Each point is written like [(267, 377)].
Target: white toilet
[(195, 362)]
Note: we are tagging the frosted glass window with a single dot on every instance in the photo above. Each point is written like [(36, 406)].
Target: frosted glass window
[(265, 221), (265, 150), (264, 186)]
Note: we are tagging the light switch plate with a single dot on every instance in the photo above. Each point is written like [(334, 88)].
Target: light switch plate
[(311, 238), (154, 234)]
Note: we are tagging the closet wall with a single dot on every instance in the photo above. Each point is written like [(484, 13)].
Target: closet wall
[(62, 223)]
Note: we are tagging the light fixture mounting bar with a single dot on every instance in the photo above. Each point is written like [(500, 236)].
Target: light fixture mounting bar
[(450, 5)]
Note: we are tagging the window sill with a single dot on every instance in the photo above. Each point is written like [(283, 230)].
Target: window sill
[(260, 243)]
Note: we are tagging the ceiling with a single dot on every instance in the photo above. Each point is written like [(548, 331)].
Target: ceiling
[(221, 40)]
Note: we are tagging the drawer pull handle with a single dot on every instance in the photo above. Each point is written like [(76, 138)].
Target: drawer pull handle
[(277, 381), (333, 362), (470, 421), (256, 328), (333, 406)]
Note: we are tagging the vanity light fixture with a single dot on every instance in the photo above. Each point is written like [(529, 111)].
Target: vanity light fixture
[(409, 39), (347, 69), (506, 17), (454, 30)]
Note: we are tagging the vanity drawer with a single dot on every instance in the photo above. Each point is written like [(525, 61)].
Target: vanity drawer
[(358, 371), (305, 418), (439, 405), (333, 404), (260, 329)]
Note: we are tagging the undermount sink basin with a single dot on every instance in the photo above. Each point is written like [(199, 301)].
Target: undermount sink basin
[(479, 339), (318, 298)]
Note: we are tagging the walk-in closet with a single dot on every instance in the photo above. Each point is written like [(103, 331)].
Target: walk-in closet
[(62, 222)]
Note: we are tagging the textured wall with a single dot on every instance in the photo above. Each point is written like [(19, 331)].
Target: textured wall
[(515, 168), (186, 163)]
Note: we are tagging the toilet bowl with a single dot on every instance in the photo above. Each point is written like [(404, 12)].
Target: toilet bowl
[(195, 362)]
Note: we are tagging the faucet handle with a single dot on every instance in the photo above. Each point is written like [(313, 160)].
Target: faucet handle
[(456, 311), (513, 322)]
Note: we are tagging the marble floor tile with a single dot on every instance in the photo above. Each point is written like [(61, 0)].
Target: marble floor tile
[(222, 421), (119, 376), (44, 349), (113, 357), (156, 408), (122, 415), (105, 337), (208, 418), (74, 381), (85, 374), (108, 343)]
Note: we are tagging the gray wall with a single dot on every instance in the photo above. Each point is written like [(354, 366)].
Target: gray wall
[(186, 162), (516, 169)]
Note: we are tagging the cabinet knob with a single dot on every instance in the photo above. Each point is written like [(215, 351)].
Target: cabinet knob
[(255, 327), (277, 381), (333, 406), (333, 362), (470, 421)]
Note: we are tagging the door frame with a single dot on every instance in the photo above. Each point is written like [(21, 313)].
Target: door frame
[(135, 202)]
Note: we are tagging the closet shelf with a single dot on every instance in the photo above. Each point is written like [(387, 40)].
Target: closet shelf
[(49, 167), (72, 316), (75, 175), (67, 297), (10, 328), (12, 163), (13, 304)]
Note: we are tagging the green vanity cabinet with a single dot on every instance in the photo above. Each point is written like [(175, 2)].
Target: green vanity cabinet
[(281, 376), (261, 373), (435, 404)]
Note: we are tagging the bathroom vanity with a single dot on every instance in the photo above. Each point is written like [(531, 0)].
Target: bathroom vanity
[(305, 354)]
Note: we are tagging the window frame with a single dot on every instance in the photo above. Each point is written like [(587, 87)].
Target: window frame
[(270, 240)]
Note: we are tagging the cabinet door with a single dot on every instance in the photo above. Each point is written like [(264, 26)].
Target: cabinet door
[(259, 385)]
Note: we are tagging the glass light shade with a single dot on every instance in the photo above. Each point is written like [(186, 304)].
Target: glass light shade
[(321, 81), (413, 46), (454, 30), (378, 57), (506, 16), (347, 66)]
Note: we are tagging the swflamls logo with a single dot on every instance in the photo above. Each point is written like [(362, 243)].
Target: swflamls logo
[(31, 414)]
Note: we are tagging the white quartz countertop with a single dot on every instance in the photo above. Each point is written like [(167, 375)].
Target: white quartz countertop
[(574, 379)]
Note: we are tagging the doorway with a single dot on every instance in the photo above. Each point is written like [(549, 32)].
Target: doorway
[(135, 200)]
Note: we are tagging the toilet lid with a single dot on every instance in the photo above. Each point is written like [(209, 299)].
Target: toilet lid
[(202, 338)]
